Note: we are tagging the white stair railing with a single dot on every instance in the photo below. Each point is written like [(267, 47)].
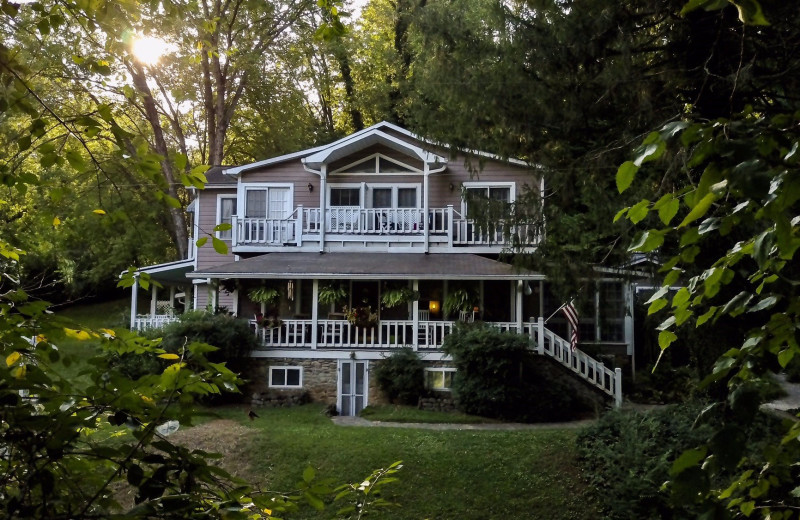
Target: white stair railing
[(586, 367)]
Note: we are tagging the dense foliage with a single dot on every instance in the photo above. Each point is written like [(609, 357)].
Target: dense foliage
[(498, 375), (401, 377)]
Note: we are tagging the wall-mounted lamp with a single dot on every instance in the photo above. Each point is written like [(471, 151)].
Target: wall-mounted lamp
[(310, 187), (452, 186), (434, 306)]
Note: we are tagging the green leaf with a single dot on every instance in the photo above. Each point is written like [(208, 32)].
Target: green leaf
[(699, 210), (665, 339), (647, 241), (686, 460), (75, 159), (24, 143), (225, 226), (668, 211), (785, 356), (219, 246), (619, 214), (656, 306), (308, 474), (201, 241), (750, 13), (707, 316), (639, 211), (764, 304), (625, 174)]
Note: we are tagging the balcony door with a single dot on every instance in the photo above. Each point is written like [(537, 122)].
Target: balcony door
[(266, 213), (398, 203)]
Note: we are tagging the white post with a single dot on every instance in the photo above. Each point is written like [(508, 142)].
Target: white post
[(314, 312), (415, 316), (323, 207), (425, 207), (450, 230), (134, 300), (520, 288), (617, 387), (298, 226), (234, 231), (172, 299), (540, 344), (153, 299)]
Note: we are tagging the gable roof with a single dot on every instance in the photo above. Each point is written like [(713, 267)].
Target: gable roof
[(350, 144)]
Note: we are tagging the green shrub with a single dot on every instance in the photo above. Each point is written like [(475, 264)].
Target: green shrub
[(626, 457), (233, 337), (401, 377), (499, 376)]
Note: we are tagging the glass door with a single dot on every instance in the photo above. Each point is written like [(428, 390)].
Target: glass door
[(352, 386)]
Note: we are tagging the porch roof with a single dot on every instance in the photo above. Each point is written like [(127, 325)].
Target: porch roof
[(174, 272), (384, 266)]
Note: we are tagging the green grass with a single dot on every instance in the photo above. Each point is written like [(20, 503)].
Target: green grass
[(409, 414), (109, 315), (446, 474)]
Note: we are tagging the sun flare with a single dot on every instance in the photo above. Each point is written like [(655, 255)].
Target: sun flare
[(148, 50)]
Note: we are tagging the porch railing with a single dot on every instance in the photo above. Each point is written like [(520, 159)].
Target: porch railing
[(445, 224), (429, 336), (152, 321)]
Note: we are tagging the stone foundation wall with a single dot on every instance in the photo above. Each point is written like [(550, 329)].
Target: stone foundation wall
[(319, 380), (438, 404)]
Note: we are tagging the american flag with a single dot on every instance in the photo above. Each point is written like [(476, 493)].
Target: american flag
[(571, 314)]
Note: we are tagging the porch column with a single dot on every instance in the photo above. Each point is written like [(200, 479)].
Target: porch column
[(629, 332), (425, 204), (520, 288), (415, 316), (298, 229), (134, 300), (540, 337), (314, 312), (323, 207), (153, 299), (450, 231), (172, 299)]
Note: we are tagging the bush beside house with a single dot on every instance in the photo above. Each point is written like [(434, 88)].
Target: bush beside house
[(499, 376)]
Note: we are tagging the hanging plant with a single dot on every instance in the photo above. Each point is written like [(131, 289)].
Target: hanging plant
[(394, 297), (266, 295), (332, 293), (361, 317), (458, 301)]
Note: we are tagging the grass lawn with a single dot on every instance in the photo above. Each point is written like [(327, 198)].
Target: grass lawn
[(410, 414), (446, 474)]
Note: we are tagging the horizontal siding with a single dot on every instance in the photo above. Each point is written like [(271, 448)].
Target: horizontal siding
[(207, 219)]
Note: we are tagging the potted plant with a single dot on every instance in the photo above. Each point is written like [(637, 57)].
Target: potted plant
[(394, 297), (331, 293), (458, 301)]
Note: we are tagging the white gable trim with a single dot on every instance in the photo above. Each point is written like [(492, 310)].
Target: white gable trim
[(374, 159)]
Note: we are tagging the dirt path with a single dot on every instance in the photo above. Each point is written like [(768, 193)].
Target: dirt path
[(359, 421)]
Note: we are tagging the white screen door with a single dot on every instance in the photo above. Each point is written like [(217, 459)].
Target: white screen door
[(352, 386)]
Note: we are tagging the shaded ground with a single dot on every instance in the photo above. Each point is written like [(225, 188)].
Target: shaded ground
[(224, 436)]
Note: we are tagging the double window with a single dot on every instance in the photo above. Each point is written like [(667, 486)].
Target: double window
[(270, 202), (487, 200), (400, 196), (286, 377)]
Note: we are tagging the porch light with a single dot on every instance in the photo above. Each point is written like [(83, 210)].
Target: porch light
[(310, 187), (434, 307)]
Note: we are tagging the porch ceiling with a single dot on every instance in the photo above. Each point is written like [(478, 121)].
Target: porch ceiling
[(386, 266), (171, 272)]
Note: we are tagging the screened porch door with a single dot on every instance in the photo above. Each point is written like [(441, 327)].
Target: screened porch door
[(352, 386)]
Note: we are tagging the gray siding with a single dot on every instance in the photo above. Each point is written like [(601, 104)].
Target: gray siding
[(290, 172), (207, 219)]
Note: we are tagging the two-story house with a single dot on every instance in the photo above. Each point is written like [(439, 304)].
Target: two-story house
[(341, 254)]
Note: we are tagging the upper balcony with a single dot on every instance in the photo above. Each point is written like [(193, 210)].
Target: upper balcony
[(354, 228)]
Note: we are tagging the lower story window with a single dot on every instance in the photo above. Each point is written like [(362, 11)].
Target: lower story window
[(439, 378), (286, 377)]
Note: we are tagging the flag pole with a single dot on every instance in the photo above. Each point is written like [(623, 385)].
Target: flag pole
[(555, 312)]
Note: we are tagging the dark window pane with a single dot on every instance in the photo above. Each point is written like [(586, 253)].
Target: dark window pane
[(406, 197), (345, 197), (278, 376), (293, 377), (382, 198)]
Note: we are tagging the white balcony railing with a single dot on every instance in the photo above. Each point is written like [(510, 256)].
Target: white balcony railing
[(445, 225)]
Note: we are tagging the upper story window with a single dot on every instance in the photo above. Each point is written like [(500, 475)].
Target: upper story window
[(377, 164), (270, 202), (345, 196), (226, 208), (397, 196), (484, 199)]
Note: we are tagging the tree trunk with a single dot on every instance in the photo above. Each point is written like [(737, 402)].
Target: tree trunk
[(178, 228)]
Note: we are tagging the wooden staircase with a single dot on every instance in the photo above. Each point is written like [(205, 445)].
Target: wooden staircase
[(548, 343)]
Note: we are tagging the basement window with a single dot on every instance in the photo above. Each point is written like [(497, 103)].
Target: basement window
[(439, 378), (285, 377)]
